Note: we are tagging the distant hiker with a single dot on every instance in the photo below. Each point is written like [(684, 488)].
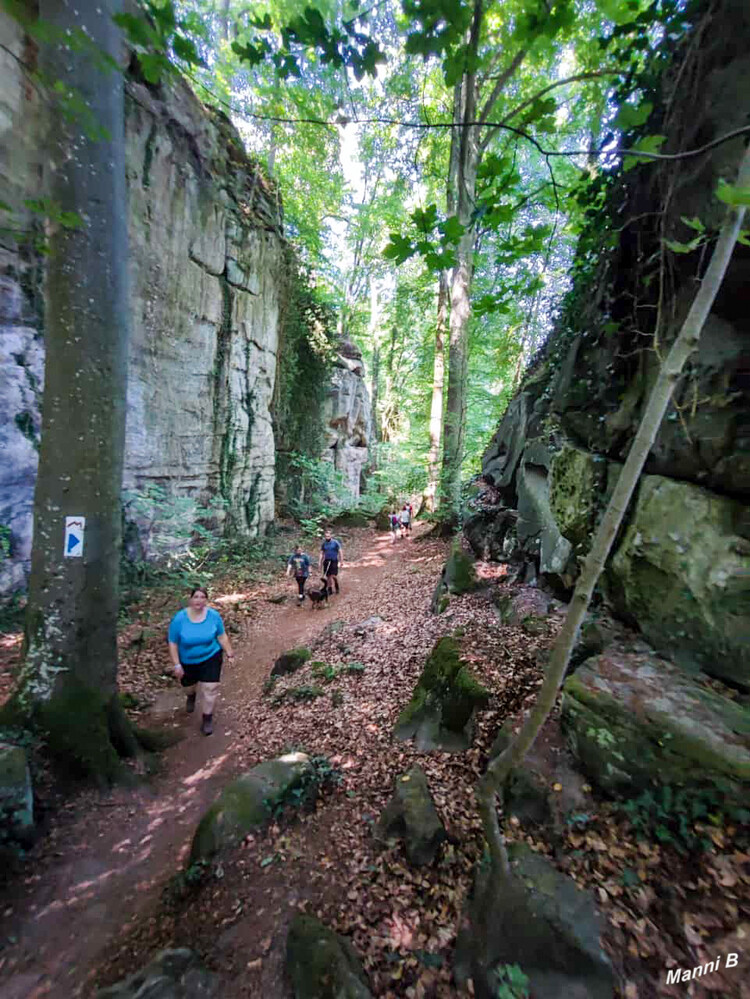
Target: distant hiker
[(299, 564), (405, 518), (196, 640), (331, 559), (410, 508), (395, 525)]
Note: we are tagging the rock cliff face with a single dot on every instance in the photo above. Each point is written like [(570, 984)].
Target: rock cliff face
[(208, 271), (348, 417), (681, 567)]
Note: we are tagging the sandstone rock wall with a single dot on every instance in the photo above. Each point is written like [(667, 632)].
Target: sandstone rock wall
[(208, 271), (348, 418), (681, 566)]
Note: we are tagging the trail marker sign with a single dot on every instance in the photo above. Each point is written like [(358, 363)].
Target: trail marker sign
[(74, 528)]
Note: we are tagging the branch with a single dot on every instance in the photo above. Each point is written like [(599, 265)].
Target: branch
[(558, 83), (499, 84)]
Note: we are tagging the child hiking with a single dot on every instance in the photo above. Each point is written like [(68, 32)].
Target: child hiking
[(299, 565)]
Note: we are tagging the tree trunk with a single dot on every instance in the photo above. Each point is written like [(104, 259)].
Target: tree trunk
[(429, 497), (499, 770), (68, 685), (466, 166)]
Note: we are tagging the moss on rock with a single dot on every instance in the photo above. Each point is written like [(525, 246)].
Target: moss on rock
[(321, 964), (290, 662), (633, 719), (576, 481), (440, 711), (247, 803)]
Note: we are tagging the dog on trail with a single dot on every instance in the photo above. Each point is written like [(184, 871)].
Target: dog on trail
[(318, 596)]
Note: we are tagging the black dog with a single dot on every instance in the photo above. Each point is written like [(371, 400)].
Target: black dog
[(318, 596)]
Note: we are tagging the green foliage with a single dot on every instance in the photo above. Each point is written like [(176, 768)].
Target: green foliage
[(512, 983), (303, 693), (674, 815), (323, 776), (5, 538)]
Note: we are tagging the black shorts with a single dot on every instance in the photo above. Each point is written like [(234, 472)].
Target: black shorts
[(207, 671), (331, 567)]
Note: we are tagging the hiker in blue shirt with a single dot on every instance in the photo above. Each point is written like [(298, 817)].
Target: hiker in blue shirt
[(331, 560), (299, 564), (196, 641)]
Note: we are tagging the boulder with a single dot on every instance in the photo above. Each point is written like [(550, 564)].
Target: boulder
[(491, 533), (410, 815), (369, 625), (577, 480), (351, 518), (632, 719), (173, 974), (458, 576), (290, 661), (321, 964), (685, 577), (383, 520), (539, 920), (247, 803), (537, 528), (16, 795), (440, 712), (530, 602)]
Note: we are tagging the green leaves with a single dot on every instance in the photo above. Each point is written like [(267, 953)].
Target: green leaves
[(630, 117), (732, 195), (159, 33), (649, 144)]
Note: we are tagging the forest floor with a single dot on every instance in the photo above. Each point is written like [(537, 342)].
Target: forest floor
[(106, 887)]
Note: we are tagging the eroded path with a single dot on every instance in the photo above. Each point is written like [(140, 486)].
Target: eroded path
[(108, 855)]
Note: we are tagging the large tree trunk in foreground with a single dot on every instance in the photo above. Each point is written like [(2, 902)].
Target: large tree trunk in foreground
[(68, 685), (429, 497), (499, 770)]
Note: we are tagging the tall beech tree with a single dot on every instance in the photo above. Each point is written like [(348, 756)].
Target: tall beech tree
[(68, 686)]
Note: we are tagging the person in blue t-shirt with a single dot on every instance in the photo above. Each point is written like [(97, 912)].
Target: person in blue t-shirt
[(331, 560), (197, 640), (299, 564)]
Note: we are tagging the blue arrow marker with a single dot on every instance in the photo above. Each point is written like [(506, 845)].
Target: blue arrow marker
[(73, 541)]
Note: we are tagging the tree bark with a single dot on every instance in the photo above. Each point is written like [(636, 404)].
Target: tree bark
[(466, 165), (498, 771), (429, 497), (68, 685)]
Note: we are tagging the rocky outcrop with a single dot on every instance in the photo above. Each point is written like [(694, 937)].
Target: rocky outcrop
[(208, 268), (410, 815), (348, 418), (173, 974), (441, 710), (539, 920), (321, 964), (634, 720), (681, 564), (16, 796), (247, 803)]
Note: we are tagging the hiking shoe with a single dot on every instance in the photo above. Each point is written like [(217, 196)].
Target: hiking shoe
[(190, 703), (207, 727)]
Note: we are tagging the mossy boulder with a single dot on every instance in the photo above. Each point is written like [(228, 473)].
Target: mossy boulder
[(458, 576), (321, 964), (16, 795), (440, 712), (633, 719), (173, 974), (410, 815), (683, 573), (577, 479), (290, 662), (247, 803), (540, 920)]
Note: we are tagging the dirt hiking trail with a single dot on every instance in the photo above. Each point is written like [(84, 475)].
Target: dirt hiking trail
[(114, 851)]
